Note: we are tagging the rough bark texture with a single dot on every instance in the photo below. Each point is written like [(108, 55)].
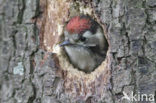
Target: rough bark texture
[(29, 74)]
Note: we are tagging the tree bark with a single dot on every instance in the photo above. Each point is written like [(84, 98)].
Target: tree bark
[(29, 73)]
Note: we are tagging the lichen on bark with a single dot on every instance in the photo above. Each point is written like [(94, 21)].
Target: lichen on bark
[(131, 33)]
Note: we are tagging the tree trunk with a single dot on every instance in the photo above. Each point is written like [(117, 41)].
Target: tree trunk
[(31, 71)]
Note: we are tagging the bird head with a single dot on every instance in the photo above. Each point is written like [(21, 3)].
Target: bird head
[(84, 43), (83, 31)]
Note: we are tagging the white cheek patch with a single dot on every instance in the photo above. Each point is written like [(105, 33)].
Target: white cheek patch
[(92, 40), (87, 34), (100, 37)]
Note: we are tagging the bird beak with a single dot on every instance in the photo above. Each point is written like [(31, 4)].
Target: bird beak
[(66, 42)]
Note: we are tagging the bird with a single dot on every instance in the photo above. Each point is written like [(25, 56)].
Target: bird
[(84, 43)]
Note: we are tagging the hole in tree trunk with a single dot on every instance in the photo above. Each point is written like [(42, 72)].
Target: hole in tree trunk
[(77, 84), (84, 43)]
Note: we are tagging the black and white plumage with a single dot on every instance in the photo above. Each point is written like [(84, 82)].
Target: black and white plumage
[(84, 43)]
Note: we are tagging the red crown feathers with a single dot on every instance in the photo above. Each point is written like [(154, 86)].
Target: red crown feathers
[(77, 25)]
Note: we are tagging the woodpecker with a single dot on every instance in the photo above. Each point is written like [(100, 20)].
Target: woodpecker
[(84, 43)]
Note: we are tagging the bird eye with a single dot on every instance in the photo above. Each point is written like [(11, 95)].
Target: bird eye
[(83, 38)]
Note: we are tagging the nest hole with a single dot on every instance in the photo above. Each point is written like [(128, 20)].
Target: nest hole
[(51, 26), (67, 58), (67, 66)]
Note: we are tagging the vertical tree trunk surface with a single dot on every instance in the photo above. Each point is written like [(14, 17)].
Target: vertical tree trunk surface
[(30, 74)]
